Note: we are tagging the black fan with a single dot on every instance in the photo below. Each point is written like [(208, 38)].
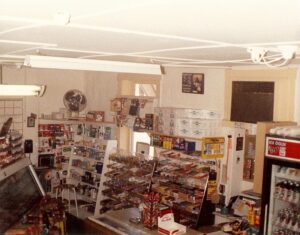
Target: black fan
[(75, 101)]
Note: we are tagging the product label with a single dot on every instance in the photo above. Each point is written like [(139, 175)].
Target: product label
[(283, 148)]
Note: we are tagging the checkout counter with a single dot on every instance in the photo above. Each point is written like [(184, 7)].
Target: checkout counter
[(117, 223)]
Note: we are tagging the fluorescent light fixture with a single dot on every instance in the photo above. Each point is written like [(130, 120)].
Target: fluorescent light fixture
[(22, 90), (90, 65)]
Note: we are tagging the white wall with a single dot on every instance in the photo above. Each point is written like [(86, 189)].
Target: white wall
[(212, 99), (98, 87)]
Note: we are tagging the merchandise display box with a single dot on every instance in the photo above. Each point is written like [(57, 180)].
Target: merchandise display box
[(167, 225), (213, 147), (95, 116)]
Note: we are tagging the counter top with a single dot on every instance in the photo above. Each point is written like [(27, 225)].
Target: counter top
[(118, 222)]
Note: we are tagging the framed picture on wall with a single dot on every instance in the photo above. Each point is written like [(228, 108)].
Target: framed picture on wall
[(193, 83), (30, 121), (142, 148)]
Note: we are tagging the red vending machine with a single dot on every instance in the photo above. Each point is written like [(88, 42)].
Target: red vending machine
[(281, 186)]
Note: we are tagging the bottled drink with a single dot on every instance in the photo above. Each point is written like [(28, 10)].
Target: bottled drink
[(296, 196), (278, 187), (290, 191), (284, 189)]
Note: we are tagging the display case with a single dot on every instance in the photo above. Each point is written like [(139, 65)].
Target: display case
[(181, 181), (281, 186), (24, 195), (127, 178)]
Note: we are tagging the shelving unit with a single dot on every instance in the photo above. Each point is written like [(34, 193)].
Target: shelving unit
[(88, 144), (10, 148), (85, 171), (56, 136), (207, 147), (134, 112)]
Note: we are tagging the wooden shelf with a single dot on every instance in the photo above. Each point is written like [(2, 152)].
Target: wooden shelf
[(76, 121), (137, 97), (173, 136), (87, 158), (77, 167)]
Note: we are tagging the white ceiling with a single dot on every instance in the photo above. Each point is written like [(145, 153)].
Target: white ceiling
[(168, 32)]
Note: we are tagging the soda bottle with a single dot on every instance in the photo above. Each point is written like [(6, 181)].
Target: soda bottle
[(283, 191), (278, 187), (290, 191), (296, 195)]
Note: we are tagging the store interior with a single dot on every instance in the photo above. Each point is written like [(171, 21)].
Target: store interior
[(148, 126)]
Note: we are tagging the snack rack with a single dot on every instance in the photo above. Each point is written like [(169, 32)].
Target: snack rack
[(182, 183), (180, 180), (127, 178)]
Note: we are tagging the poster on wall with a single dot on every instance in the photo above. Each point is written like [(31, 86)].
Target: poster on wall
[(193, 83)]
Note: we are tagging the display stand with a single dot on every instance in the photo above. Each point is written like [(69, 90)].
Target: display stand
[(80, 148), (182, 183), (86, 171), (127, 177)]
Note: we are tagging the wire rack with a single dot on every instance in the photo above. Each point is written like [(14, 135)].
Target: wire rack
[(12, 108)]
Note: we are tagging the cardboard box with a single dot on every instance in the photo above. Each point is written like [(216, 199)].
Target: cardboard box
[(167, 225)]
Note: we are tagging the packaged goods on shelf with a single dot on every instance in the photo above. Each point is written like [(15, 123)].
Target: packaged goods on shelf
[(195, 123), (97, 116), (10, 148)]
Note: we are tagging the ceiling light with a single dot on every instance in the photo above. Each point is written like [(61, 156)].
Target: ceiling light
[(90, 65), (257, 53), (260, 55), (288, 52), (22, 90)]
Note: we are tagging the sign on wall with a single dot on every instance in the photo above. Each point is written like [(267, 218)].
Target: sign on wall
[(193, 83)]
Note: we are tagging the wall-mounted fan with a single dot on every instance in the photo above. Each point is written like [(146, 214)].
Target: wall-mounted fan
[(75, 101)]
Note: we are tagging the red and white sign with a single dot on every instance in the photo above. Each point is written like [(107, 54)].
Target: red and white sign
[(167, 225), (283, 148)]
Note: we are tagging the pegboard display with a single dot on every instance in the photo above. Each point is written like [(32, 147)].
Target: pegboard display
[(12, 108)]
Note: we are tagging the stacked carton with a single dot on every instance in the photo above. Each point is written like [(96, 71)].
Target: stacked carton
[(194, 123)]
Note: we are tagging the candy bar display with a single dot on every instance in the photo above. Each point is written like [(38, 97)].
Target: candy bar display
[(181, 182), (150, 209), (47, 218), (127, 179), (10, 148)]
